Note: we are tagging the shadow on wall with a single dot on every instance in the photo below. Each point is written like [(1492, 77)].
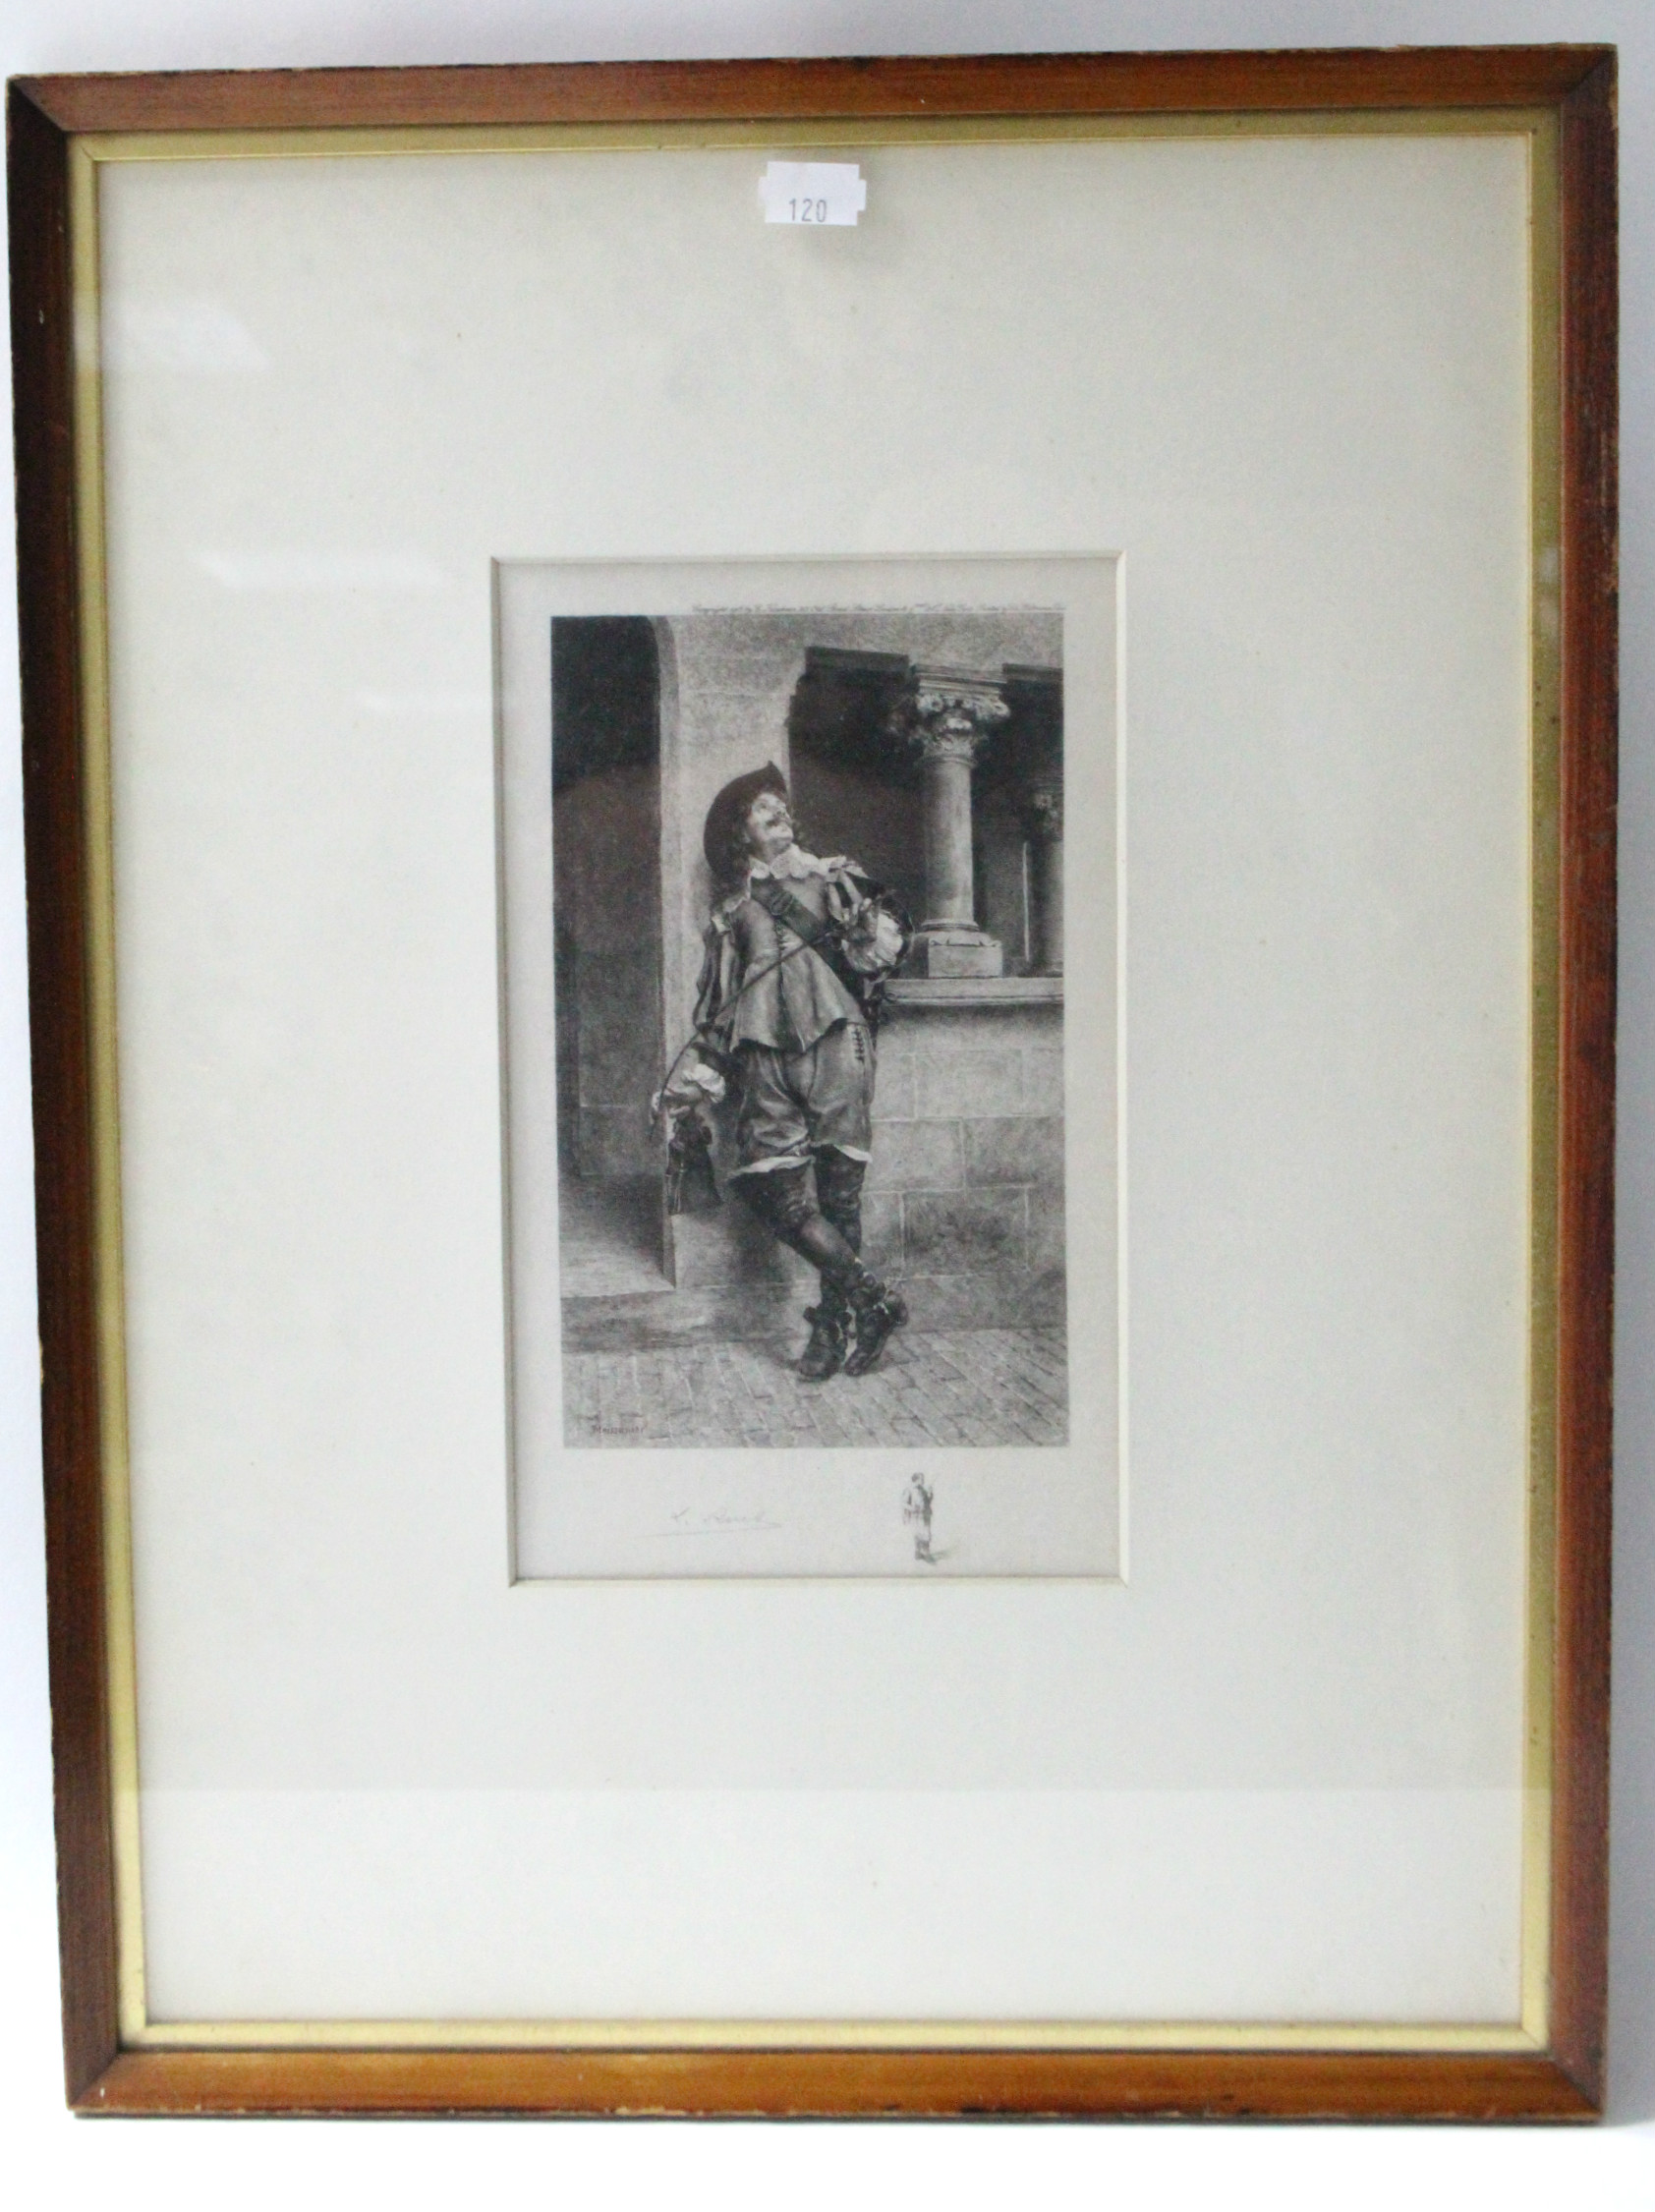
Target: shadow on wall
[(607, 919)]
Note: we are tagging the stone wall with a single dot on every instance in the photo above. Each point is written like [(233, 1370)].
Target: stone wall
[(964, 1199), (609, 1036), (965, 1194)]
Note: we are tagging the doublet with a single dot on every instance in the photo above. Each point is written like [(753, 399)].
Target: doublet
[(797, 1004)]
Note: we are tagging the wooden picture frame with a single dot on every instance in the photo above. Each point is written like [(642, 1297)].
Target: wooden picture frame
[(1559, 2079)]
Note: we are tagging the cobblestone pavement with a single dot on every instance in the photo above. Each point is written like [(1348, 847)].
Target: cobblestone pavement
[(979, 1386)]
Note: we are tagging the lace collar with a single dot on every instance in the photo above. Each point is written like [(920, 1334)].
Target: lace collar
[(794, 865)]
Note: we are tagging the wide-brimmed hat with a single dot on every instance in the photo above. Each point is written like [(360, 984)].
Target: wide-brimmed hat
[(727, 815)]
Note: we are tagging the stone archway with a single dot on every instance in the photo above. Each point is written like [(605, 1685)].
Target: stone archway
[(605, 748)]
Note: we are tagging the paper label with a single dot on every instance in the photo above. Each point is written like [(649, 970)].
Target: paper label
[(813, 191)]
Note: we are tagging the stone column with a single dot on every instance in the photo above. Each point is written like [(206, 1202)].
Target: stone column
[(952, 713), (1046, 876)]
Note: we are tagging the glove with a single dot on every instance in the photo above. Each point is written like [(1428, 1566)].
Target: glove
[(872, 936), (694, 1084)]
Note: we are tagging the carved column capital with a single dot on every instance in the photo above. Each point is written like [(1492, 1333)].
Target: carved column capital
[(950, 712)]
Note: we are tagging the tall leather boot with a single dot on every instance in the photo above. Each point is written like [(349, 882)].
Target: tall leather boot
[(838, 1189), (874, 1318), (829, 1336), (785, 1201), (877, 1314)]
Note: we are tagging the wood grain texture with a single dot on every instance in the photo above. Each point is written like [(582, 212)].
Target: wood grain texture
[(895, 2084), (1586, 1120), (42, 324), (1565, 2083), (748, 91)]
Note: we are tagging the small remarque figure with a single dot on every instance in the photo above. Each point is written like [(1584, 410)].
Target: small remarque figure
[(916, 1513), (797, 954)]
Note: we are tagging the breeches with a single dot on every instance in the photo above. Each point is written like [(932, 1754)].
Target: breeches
[(794, 1103)]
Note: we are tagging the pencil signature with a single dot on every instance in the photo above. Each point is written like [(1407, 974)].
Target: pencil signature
[(688, 1521)]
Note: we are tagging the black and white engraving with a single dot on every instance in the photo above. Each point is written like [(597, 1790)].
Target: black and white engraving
[(813, 1066), (810, 1068)]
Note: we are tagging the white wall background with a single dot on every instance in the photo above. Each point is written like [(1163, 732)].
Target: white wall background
[(48, 2158)]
